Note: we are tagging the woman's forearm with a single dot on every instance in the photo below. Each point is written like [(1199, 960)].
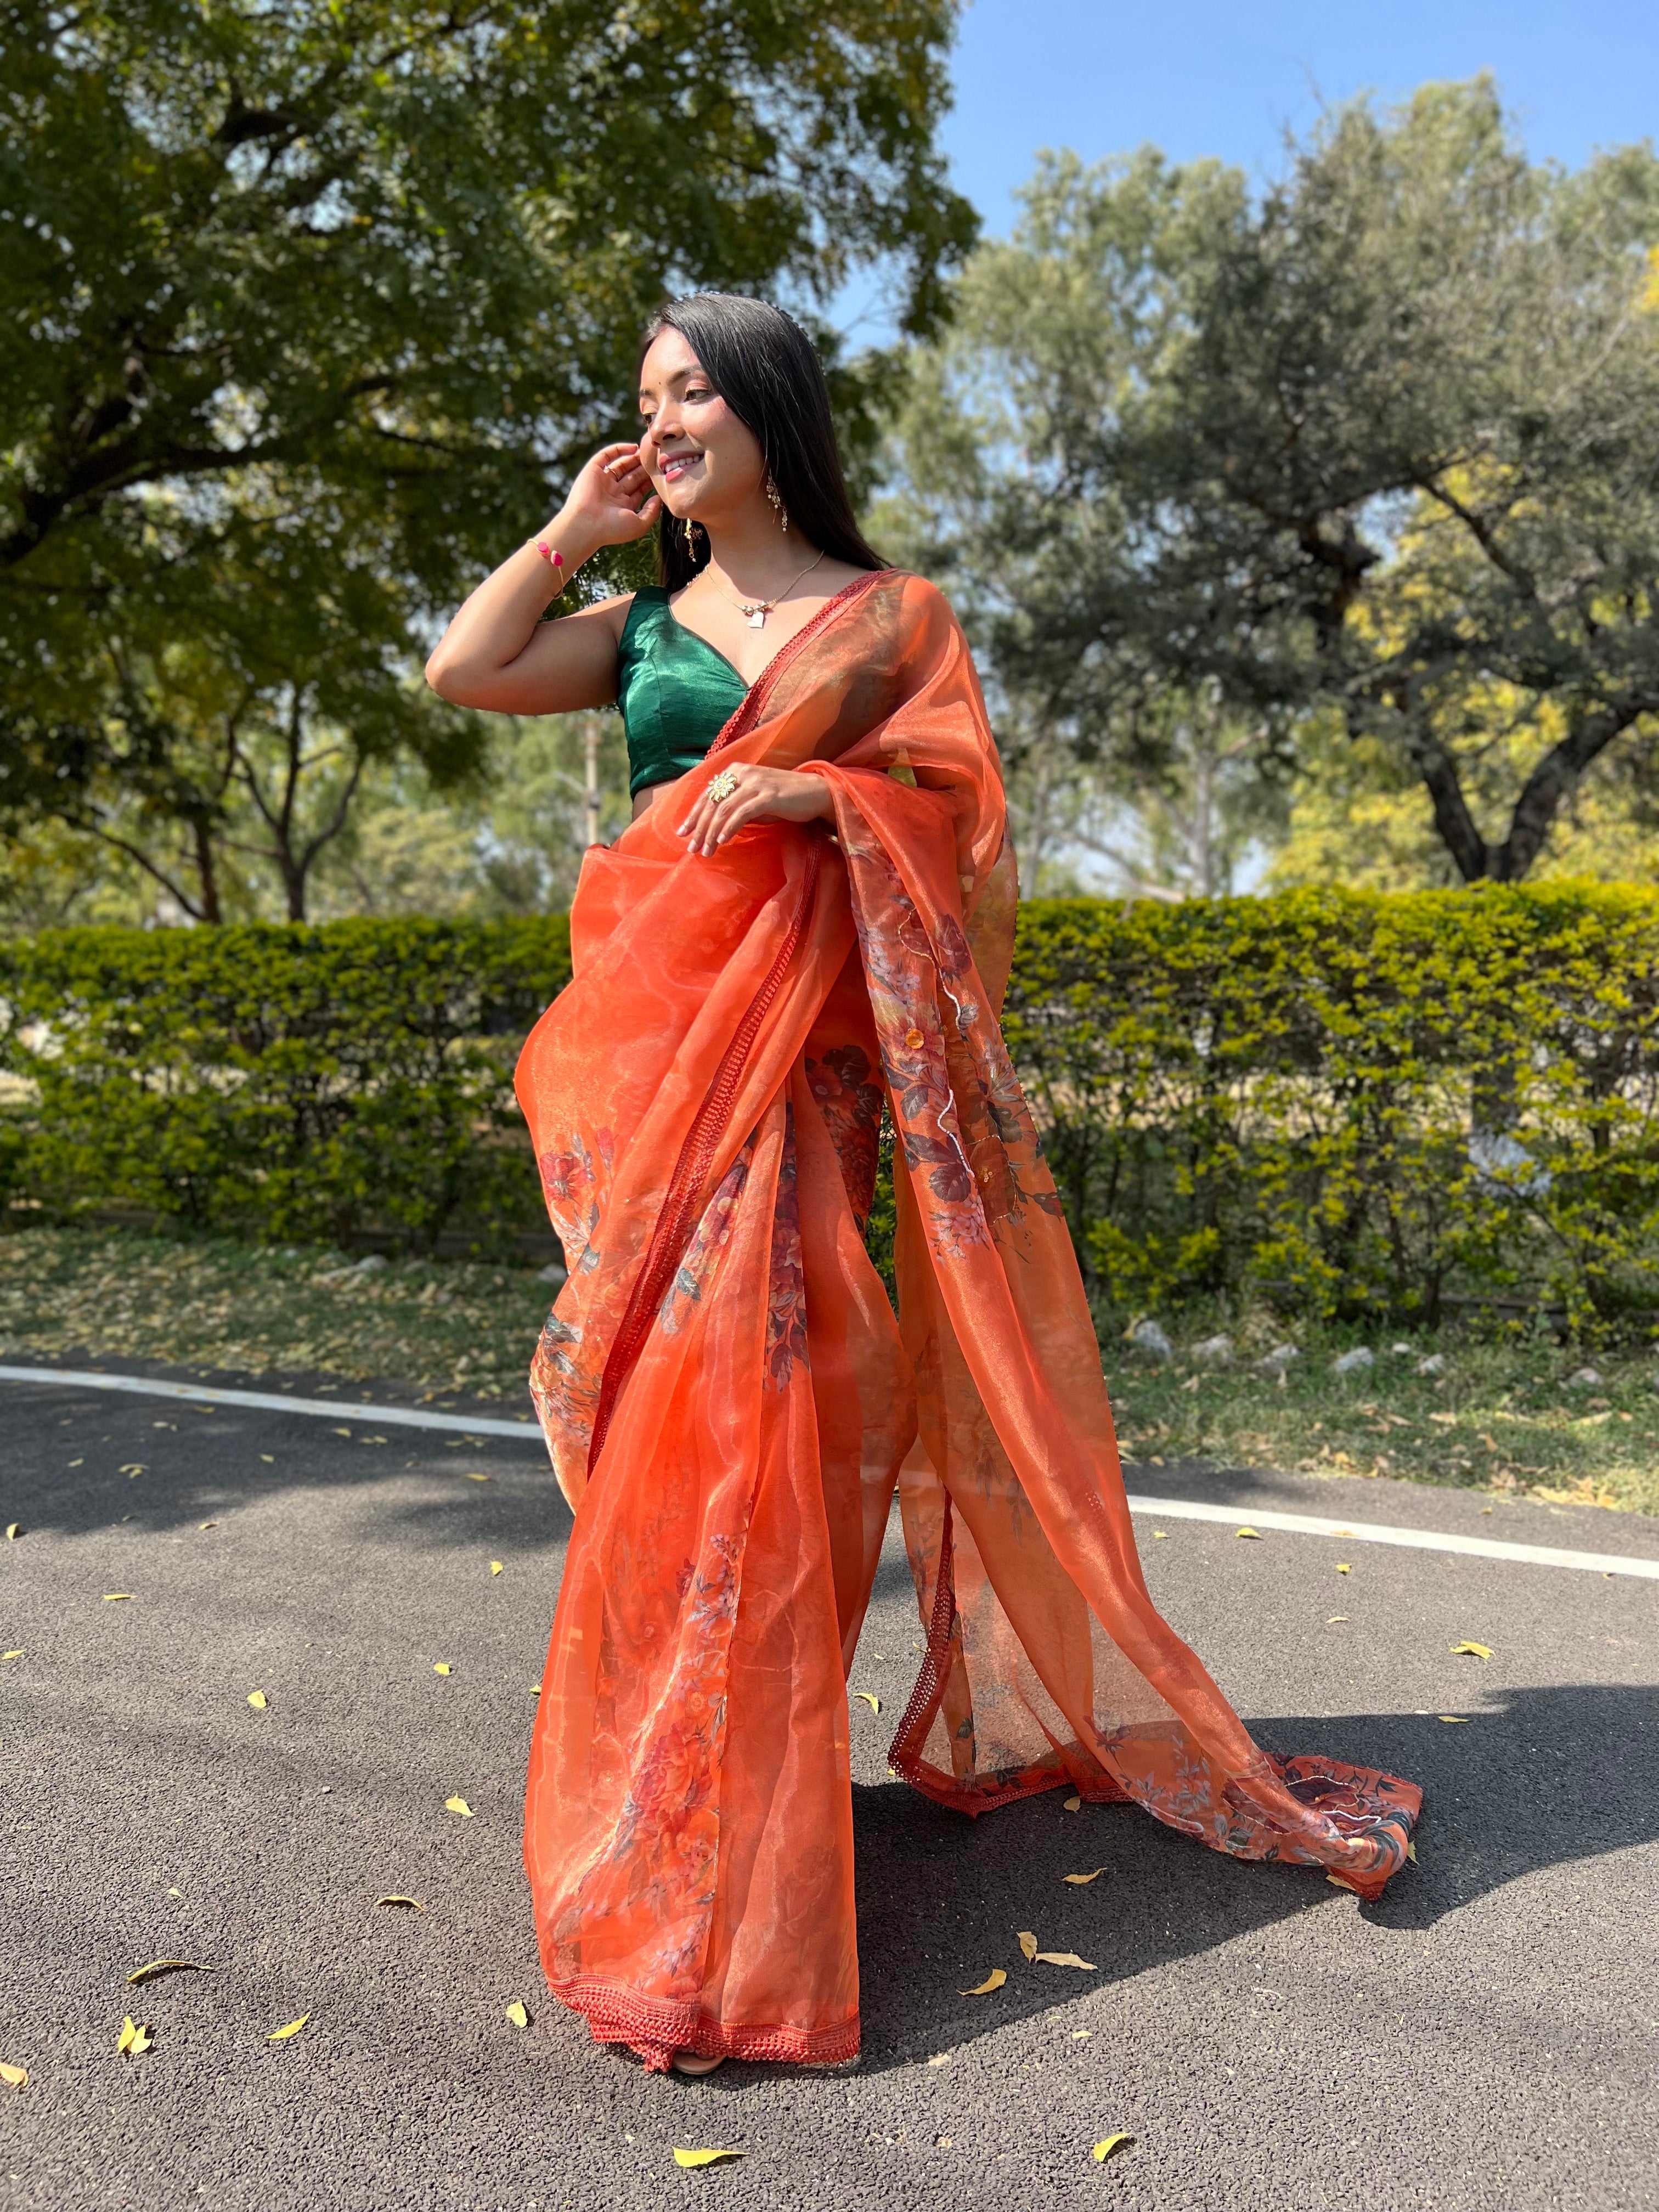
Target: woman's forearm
[(505, 613)]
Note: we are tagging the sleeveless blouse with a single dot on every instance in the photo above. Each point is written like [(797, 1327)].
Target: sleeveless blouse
[(677, 692)]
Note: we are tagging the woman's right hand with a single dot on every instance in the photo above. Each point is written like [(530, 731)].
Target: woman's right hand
[(611, 502)]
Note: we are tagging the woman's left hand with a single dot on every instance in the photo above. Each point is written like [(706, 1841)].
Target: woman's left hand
[(755, 794)]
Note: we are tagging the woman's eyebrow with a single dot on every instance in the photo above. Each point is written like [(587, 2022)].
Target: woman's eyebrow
[(680, 376)]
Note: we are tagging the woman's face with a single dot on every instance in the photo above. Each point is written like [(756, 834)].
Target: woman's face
[(703, 461)]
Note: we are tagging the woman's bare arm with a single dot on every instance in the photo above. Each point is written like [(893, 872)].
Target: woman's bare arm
[(498, 654)]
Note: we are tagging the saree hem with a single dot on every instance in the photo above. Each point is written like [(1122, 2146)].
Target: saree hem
[(655, 2029)]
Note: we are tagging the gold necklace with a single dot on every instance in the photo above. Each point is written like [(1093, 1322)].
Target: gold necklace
[(757, 611)]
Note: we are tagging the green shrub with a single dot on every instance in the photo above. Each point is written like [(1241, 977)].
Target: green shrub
[(281, 1083), (1241, 1098), (1353, 1104)]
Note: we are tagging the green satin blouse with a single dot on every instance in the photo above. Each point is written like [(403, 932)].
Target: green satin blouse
[(677, 691)]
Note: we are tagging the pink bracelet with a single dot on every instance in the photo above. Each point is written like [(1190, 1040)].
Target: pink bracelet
[(548, 553)]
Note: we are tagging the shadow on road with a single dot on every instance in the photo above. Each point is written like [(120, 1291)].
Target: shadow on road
[(1554, 1775)]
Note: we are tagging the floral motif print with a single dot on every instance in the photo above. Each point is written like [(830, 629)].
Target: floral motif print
[(851, 1106), (574, 1194), (786, 1298), (708, 1239)]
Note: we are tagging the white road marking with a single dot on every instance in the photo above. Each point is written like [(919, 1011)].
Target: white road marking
[(407, 1417), (1167, 1508), (1417, 1540)]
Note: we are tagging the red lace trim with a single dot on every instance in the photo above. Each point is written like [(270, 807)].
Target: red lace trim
[(679, 1216), (904, 1756), (656, 2030)]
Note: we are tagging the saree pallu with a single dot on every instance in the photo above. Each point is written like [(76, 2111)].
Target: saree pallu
[(730, 1402)]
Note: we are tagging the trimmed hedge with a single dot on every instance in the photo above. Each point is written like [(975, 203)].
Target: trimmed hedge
[(284, 1083), (1352, 1104)]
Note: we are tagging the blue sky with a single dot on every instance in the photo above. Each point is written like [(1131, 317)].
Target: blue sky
[(1102, 76), (1195, 77)]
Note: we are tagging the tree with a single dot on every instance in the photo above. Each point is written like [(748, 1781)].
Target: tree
[(1383, 443), (310, 306)]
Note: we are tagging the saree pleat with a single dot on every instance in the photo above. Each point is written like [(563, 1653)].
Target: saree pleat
[(730, 1403)]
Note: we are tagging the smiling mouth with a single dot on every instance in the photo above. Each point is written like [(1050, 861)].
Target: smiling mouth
[(676, 464)]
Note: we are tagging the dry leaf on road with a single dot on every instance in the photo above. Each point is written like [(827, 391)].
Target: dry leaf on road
[(517, 2014), (1073, 1804), (1078, 1880), (479, 1478), (1453, 1720), (413, 1903), (135, 2038), (440, 1667), (117, 1597), (1256, 1533), (1473, 1651), (282, 2034), (495, 1566), (458, 1805), (14, 1530), (1067, 1959), (257, 1699), (158, 1967), (15, 2077), (994, 1980), (1028, 1942), (1341, 1882), (702, 2157), (870, 1699), (1104, 2149)]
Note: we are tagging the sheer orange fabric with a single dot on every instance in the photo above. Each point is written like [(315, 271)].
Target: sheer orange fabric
[(729, 1402)]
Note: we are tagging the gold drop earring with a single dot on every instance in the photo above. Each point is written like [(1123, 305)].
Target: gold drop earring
[(690, 529), (778, 507)]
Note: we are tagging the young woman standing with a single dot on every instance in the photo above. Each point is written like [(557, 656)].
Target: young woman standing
[(810, 915)]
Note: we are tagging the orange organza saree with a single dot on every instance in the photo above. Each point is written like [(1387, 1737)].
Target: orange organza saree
[(730, 1402)]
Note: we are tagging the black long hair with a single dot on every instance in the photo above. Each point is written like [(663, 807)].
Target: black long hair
[(767, 370)]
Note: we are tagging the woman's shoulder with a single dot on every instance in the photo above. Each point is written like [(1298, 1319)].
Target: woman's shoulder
[(915, 598)]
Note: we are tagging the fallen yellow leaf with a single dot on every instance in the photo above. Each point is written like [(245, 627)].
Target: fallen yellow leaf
[(1160, 1536), (1473, 1650), (12, 1655), (1331, 1616), (282, 2034), (166, 1966), (495, 1566), (1077, 1881), (1341, 1882), (1073, 1804), (1453, 1720), (458, 1805), (994, 1980), (207, 1524), (517, 2014), (440, 1667), (342, 1433), (14, 1530), (15, 2077), (414, 1904), (535, 1689), (940, 2059), (870, 1699), (1256, 1533), (702, 2157), (1411, 1853), (484, 1478), (134, 2039), (136, 1467), (257, 1698), (1104, 2149), (117, 1597), (1343, 1567), (1065, 1959), (269, 1458), (1028, 1942)]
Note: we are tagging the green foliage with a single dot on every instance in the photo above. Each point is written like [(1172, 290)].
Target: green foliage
[(306, 310), (1380, 439), (1347, 1104), (1350, 1104), (285, 1083)]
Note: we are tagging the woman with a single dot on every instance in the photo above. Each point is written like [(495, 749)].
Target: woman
[(810, 914)]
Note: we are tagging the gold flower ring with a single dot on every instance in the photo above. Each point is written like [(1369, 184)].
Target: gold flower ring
[(722, 786)]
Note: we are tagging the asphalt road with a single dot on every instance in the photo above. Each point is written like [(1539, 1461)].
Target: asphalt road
[(1485, 2037)]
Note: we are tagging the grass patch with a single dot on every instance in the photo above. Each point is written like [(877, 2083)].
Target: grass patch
[(211, 1301), (1502, 1416)]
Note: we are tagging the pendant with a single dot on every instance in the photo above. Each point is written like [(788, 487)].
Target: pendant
[(758, 616)]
